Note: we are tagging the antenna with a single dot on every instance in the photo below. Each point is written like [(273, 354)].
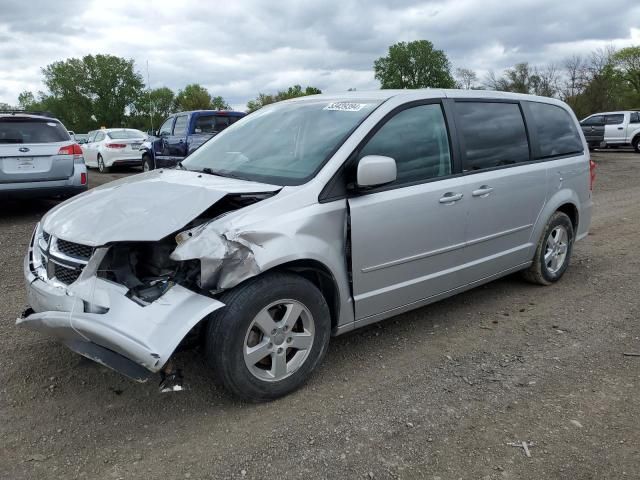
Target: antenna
[(149, 93)]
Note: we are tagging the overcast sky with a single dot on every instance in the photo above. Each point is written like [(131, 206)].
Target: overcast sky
[(241, 47)]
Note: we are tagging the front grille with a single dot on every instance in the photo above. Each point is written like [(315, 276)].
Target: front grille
[(75, 250), (66, 275)]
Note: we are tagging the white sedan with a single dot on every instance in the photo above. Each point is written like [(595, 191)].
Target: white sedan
[(113, 147)]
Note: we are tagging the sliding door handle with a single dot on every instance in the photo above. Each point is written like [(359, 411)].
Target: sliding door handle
[(450, 197), (483, 191)]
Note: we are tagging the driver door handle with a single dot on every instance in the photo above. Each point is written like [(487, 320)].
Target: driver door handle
[(483, 191), (450, 197)]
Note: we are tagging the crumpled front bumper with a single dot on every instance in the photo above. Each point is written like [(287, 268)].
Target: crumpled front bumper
[(93, 317)]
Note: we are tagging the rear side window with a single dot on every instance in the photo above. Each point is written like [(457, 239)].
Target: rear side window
[(555, 129), (416, 138), (180, 128), (99, 137), (31, 130), (616, 119), (493, 134), (635, 117), (212, 123)]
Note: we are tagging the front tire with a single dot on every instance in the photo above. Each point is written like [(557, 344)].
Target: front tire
[(147, 163), (553, 252), (102, 168), (636, 144), (270, 337)]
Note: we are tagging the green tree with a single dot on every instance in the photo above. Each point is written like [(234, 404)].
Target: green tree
[(27, 100), (100, 86), (196, 97), (627, 64), (219, 103), (414, 64), (152, 107), (292, 92)]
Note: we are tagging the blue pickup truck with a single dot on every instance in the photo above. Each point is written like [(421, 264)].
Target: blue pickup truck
[(182, 133)]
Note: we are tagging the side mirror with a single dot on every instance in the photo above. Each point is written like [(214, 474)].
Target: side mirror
[(375, 170)]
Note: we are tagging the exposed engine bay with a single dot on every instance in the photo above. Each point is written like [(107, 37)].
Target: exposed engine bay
[(147, 269)]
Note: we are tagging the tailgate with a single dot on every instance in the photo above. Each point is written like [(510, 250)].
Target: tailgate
[(29, 149), (34, 163)]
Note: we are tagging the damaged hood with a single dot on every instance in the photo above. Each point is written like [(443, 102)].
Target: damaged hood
[(144, 207)]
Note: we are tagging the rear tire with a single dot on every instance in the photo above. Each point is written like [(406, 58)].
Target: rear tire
[(102, 168), (636, 144), (147, 163), (270, 337), (553, 252)]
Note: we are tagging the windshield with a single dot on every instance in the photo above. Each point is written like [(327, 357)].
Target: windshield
[(122, 134), (283, 144)]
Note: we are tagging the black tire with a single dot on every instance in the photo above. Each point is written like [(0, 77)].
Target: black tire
[(539, 272), (228, 329), (636, 144), (147, 163), (102, 168)]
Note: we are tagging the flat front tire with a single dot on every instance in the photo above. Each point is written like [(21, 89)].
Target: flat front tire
[(553, 251), (272, 334)]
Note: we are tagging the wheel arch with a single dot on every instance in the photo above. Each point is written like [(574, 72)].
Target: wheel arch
[(571, 210), (148, 153), (321, 276)]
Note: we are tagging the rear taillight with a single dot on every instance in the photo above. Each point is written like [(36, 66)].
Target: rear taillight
[(83, 178), (115, 145), (592, 174), (73, 149)]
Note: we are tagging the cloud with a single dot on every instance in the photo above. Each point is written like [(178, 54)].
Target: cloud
[(237, 49)]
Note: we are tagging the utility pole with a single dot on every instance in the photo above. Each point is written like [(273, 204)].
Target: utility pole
[(149, 93)]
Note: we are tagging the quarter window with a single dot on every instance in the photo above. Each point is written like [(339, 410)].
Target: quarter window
[(555, 129), (416, 138), (493, 134), (616, 119)]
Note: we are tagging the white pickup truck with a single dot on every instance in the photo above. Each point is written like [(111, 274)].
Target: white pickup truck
[(620, 128)]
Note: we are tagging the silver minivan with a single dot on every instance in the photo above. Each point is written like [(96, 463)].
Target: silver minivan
[(306, 219)]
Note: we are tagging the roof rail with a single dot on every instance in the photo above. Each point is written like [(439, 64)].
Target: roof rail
[(29, 112)]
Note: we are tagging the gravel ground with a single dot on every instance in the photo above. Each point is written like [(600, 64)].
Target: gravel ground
[(437, 393)]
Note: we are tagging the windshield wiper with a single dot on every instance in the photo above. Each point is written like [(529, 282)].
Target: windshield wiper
[(218, 173)]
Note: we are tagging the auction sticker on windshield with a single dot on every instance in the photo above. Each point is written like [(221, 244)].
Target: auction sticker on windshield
[(345, 106)]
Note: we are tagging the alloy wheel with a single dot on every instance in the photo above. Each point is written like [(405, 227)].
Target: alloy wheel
[(279, 340), (556, 249)]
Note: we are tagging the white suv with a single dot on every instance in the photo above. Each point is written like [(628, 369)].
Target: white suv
[(620, 128)]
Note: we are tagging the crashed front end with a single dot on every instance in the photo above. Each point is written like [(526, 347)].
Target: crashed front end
[(125, 306)]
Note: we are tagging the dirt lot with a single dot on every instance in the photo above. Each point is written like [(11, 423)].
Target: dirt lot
[(437, 393)]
